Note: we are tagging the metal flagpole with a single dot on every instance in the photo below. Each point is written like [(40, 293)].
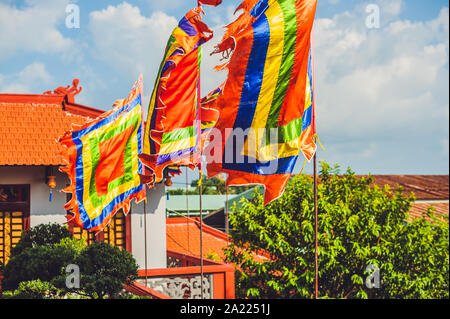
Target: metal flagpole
[(227, 230), (145, 239), (201, 234), (316, 290), (199, 130), (187, 209), (314, 95)]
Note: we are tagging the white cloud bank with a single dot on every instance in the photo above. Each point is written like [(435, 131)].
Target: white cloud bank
[(129, 41), (32, 76), (383, 93), (383, 99), (33, 28)]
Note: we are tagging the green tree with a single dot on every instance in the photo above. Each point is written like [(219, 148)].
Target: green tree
[(104, 270), (35, 289), (210, 186), (359, 224), (40, 254), (41, 262), (216, 186), (177, 191), (43, 234)]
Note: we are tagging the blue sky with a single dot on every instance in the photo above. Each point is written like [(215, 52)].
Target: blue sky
[(383, 100)]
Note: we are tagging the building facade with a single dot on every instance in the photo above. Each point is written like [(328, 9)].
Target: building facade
[(30, 182)]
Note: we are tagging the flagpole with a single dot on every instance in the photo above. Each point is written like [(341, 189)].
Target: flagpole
[(145, 240), (314, 100), (201, 234), (316, 281), (199, 130), (227, 230), (187, 208)]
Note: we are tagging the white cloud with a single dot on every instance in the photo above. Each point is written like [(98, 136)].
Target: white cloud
[(391, 8), (376, 86), (33, 76), (33, 28), (129, 42)]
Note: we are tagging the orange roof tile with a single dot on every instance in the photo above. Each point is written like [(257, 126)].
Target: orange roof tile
[(31, 124), (419, 209), (183, 236), (423, 186)]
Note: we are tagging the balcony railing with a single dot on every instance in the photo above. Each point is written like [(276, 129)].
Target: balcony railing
[(182, 279)]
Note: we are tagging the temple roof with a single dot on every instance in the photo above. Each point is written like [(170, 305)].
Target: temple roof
[(31, 124)]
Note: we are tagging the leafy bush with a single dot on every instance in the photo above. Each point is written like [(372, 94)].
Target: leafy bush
[(73, 243), (358, 225), (41, 254), (34, 289), (213, 255), (43, 234), (40, 262), (104, 270)]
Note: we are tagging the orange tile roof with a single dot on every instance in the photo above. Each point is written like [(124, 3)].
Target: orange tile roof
[(183, 236), (423, 186), (419, 209), (31, 124)]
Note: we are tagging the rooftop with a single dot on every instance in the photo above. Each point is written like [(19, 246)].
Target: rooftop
[(183, 236), (210, 203), (425, 187), (31, 124)]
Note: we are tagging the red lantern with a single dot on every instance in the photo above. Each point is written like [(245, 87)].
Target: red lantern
[(168, 181)]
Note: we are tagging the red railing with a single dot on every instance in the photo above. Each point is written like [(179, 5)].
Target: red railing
[(221, 277), (184, 274), (140, 290), (185, 260)]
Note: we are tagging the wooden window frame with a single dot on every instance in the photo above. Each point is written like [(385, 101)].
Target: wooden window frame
[(22, 206), (101, 235), (19, 206)]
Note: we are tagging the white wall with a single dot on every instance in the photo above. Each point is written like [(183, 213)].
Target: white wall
[(156, 230), (42, 211)]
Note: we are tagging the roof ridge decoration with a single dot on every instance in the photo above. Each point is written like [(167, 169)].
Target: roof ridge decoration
[(68, 90)]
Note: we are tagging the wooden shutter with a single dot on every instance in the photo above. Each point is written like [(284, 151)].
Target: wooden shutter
[(14, 217), (115, 232)]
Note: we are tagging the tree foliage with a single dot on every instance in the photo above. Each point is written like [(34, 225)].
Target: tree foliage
[(104, 270), (43, 234), (216, 186), (359, 224), (39, 264), (34, 289)]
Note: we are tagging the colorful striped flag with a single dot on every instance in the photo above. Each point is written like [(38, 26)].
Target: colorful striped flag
[(102, 163), (172, 134), (209, 112), (268, 95)]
